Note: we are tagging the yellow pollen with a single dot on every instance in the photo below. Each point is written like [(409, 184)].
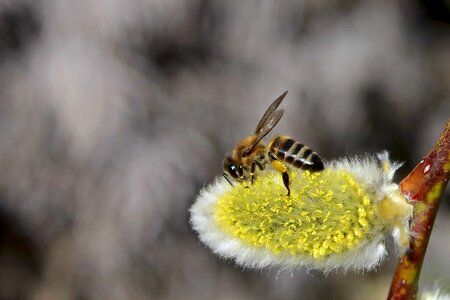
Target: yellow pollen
[(329, 212)]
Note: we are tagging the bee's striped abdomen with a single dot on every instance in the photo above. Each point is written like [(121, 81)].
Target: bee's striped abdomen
[(295, 153)]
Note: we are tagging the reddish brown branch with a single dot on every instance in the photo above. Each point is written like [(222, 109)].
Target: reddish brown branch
[(424, 187)]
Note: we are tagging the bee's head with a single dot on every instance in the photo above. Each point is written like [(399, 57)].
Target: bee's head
[(233, 168)]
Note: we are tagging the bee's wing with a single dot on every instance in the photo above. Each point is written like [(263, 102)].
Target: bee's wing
[(264, 128), (270, 123), (269, 111)]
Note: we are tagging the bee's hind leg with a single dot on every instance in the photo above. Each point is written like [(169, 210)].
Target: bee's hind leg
[(281, 167)]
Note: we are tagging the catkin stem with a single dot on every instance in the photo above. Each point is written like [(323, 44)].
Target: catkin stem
[(424, 187)]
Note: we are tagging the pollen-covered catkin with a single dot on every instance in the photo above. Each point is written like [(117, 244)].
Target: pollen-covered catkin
[(333, 219)]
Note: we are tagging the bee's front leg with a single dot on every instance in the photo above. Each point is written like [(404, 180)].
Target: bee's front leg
[(281, 167), (253, 168)]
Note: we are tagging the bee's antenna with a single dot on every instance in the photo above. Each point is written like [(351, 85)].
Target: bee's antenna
[(225, 175)]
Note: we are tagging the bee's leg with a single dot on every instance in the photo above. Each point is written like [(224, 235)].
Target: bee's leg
[(253, 168), (260, 165), (281, 167)]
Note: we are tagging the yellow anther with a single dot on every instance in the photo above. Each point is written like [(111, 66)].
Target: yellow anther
[(323, 215)]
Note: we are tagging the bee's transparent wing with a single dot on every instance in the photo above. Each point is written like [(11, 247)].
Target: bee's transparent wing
[(264, 120), (270, 123), (271, 117)]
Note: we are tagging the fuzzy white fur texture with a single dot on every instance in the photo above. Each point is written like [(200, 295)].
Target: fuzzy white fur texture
[(375, 172)]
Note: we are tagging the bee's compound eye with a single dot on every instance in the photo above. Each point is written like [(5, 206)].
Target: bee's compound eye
[(229, 167), (241, 171), (232, 170)]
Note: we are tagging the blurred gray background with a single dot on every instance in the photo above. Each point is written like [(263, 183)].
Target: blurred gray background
[(113, 114)]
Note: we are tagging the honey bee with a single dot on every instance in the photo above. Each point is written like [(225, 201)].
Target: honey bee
[(281, 151)]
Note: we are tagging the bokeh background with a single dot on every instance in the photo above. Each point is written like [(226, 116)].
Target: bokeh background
[(113, 114)]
